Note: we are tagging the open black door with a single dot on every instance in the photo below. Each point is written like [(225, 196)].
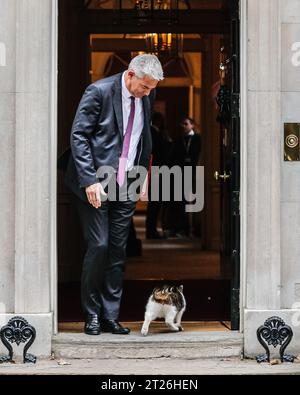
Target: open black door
[(229, 173)]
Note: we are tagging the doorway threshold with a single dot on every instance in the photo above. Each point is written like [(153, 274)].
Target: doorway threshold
[(192, 343), (157, 326)]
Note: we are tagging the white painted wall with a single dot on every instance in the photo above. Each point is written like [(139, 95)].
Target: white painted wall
[(7, 152), (273, 198), (290, 171), (263, 155), (26, 151)]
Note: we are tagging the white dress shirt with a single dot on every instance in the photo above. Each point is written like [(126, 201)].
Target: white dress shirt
[(138, 122)]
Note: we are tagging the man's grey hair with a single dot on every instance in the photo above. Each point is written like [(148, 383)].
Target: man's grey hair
[(147, 65)]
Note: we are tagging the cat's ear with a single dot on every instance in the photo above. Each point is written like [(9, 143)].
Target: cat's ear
[(180, 288)]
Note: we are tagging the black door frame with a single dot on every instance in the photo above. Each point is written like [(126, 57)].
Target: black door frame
[(235, 163)]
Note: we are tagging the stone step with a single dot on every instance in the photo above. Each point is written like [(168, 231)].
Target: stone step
[(189, 345)]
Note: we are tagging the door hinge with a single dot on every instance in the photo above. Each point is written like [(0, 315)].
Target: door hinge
[(235, 105), (235, 203)]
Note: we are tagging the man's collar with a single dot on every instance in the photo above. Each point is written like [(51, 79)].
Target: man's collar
[(124, 87), (191, 133)]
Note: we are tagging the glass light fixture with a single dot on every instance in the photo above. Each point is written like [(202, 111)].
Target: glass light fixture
[(165, 45)]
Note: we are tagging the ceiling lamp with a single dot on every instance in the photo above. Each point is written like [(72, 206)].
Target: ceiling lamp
[(165, 45), (148, 11), (154, 4)]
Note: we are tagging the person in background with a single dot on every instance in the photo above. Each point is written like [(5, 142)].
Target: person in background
[(185, 152), (160, 152)]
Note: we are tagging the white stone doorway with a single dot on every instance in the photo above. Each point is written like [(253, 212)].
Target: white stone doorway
[(70, 114)]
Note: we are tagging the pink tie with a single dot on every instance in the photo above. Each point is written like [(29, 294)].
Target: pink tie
[(126, 142)]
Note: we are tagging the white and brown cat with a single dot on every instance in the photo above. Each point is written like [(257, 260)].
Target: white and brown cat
[(166, 302)]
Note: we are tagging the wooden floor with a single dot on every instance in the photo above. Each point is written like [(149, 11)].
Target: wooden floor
[(156, 326), (171, 259)]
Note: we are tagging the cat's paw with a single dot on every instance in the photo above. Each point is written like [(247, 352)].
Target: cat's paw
[(144, 331), (180, 328), (173, 328)]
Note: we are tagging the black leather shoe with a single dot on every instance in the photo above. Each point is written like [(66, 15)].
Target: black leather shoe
[(154, 236), (114, 327), (92, 325)]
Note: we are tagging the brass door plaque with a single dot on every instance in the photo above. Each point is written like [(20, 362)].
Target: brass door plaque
[(291, 142)]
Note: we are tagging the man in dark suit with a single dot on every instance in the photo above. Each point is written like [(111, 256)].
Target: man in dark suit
[(111, 128), (185, 152), (160, 150)]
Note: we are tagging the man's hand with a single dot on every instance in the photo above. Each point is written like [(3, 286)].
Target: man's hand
[(93, 194)]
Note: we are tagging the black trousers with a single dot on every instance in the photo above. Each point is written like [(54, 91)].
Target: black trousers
[(154, 208), (105, 231)]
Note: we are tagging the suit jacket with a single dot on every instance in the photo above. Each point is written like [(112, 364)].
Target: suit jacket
[(180, 152), (97, 134), (160, 147)]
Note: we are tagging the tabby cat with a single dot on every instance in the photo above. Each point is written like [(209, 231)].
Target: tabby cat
[(166, 302)]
